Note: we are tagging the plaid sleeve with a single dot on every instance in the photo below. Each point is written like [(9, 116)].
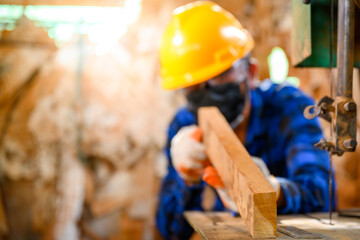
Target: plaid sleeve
[(175, 196), (306, 188)]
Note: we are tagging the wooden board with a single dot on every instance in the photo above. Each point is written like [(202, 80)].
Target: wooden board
[(253, 195), (220, 225), (223, 226)]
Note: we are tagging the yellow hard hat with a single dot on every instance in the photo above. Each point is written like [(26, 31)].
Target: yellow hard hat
[(201, 41)]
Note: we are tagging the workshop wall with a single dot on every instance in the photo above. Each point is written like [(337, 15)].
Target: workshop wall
[(81, 133)]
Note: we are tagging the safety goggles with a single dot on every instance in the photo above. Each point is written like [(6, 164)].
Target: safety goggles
[(237, 73)]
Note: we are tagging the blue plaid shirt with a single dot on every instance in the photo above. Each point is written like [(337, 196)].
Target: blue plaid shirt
[(281, 136)]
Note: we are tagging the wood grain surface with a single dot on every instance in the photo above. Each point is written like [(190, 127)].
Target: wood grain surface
[(223, 226), (253, 195)]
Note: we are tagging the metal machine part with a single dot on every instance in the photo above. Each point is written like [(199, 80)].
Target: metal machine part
[(350, 212), (341, 111), (323, 109), (312, 31), (344, 120), (297, 233)]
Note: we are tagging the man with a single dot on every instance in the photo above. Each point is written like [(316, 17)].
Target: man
[(205, 52)]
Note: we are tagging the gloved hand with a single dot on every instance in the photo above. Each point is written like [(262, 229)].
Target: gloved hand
[(213, 179), (188, 154), (272, 180)]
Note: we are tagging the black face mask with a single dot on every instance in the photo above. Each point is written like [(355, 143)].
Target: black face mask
[(227, 97)]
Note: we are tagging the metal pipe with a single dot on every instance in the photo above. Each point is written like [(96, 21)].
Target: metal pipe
[(345, 48)]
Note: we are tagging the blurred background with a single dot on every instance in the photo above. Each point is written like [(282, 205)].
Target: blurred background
[(83, 119)]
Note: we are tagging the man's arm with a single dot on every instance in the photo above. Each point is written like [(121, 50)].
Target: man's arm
[(306, 188), (175, 195)]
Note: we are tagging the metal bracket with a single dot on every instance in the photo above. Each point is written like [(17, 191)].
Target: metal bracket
[(323, 144), (323, 109), (344, 124), (341, 113)]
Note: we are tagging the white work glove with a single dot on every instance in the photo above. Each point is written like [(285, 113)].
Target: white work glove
[(213, 179), (188, 154), (272, 180)]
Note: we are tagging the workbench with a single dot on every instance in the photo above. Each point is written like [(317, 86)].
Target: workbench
[(223, 226)]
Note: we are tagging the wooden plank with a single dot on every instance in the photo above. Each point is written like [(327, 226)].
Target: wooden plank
[(253, 195), (96, 3), (223, 226), (342, 228), (220, 226)]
